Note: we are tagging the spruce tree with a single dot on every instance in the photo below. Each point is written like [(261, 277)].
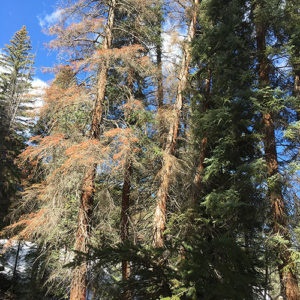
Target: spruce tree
[(272, 102), (225, 190), (16, 63)]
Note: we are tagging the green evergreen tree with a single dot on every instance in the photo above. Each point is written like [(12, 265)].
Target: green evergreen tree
[(16, 63), (272, 96), (226, 193)]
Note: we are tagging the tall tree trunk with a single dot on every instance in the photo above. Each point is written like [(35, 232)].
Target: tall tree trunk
[(297, 83), (197, 182), (159, 222), (296, 91), (125, 222), (79, 283), (288, 278), (159, 78), (125, 206), (160, 88)]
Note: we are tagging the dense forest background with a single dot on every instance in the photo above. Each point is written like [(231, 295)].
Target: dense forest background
[(164, 162)]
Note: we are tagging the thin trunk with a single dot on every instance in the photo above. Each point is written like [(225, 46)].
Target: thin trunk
[(16, 260), (126, 269), (288, 278), (79, 282), (297, 84), (160, 83), (160, 92), (197, 182), (159, 222), (160, 89), (297, 88), (125, 222), (14, 110)]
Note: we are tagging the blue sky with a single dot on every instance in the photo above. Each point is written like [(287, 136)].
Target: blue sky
[(33, 14), (39, 14)]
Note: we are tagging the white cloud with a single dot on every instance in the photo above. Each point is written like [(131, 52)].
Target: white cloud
[(37, 92), (172, 37), (39, 83), (50, 19), (172, 49)]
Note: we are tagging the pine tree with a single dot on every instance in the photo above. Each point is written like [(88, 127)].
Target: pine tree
[(16, 61), (65, 134), (279, 224), (225, 219), (78, 285), (49, 199), (159, 222)]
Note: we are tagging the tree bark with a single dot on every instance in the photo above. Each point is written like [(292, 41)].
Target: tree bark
[(160, 88), (16, 261), (125, 222), (160, 82), (296, 91), (79, 282), (159, 222), (197, 182), (279, 225)]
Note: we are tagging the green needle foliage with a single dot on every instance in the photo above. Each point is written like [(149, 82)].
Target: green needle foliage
[(16, 63)]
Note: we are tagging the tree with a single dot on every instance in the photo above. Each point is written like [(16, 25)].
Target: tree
[(64, 135), (223, 212), (278, 218), (159, 221), (78, 285), (49, 198), (16, 63)]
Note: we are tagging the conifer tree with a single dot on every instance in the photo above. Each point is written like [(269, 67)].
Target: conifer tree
[(78, 285), (159, 222), (279, 224), (66, 137), (225, 219), (16, 63), (49, 199)]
